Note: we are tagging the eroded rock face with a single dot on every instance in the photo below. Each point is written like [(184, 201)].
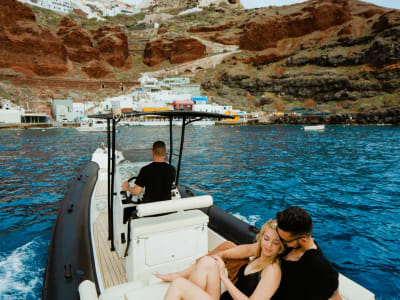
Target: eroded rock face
[(77, 42), (112, 44), (26, 46), (176, 51), (264, 32), (95, 69)]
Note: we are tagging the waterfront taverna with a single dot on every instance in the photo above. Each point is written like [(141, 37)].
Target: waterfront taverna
[(11, 113)]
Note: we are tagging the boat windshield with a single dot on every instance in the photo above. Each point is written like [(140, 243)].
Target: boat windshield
[(137, 155)]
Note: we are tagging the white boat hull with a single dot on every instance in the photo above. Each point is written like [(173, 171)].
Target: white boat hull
[(314, 127)]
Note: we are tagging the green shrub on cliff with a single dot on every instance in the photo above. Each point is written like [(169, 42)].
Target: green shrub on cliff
[(4, 93)]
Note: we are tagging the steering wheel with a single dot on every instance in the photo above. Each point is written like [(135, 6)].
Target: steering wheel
[(128, 195)]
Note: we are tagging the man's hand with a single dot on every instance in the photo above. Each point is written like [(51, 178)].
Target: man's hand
[(125, 186)]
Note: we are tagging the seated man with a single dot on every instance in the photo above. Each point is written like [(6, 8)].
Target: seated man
[(306, 273), (156, 177)]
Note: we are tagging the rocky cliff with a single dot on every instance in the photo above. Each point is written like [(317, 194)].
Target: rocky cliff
[(27, 47), (340, 55), (176, 51)]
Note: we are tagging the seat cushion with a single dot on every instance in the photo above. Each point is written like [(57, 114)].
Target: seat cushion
[(152, 292)]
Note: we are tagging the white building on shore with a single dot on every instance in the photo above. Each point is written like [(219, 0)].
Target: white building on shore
[(9, 112)]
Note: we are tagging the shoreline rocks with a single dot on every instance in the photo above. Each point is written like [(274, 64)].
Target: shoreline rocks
[(391, 117)]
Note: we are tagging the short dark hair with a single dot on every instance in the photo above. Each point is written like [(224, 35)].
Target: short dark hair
[(159, 148), (295, 220)]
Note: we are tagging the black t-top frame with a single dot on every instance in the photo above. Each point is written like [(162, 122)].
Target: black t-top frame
[(187, 117)]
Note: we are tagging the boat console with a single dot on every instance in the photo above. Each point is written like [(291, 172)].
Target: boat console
[(125, 203)]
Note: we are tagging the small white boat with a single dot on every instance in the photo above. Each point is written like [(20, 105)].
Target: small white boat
[(93, 126), (314, 127)]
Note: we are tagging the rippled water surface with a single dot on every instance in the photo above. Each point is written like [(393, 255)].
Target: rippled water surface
[(348, 178)]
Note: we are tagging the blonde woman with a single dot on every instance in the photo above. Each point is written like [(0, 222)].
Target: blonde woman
[(257, 280)]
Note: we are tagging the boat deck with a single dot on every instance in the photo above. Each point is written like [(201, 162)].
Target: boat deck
[(112, 268)]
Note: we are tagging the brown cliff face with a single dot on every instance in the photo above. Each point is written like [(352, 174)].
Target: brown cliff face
[(264, 32), (27, 47), (112, 44), (212, 29), (77, 42), (12, 12), (176, 51), (95, 69)]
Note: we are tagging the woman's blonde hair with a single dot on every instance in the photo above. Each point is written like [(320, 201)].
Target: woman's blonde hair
[(265, 261)]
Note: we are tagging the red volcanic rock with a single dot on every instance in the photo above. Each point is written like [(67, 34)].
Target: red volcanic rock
[(95, 69), (264, 58), (79, 12), (225, 39), (263, 32), (211, 29), (12, 11), (187, 49), (77, 42), (157, 51), (176, 51), (345, 30), (112, 44), (370, 13), (26, 45)]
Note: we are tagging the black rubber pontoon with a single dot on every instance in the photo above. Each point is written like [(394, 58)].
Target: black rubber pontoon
[(70, 257)]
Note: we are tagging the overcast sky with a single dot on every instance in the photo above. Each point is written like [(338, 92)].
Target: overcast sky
[(262, 3)]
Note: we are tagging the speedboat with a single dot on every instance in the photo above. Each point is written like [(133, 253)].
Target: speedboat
[(314, 127), (106, 244), (93, 126)]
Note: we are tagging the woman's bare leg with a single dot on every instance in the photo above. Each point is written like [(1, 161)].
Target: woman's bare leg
[(206, 276), (187, 272), (172, 276), (183, 289)]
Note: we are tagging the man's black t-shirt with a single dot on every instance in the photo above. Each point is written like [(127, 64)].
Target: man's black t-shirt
[(157, 178), (312, 277)]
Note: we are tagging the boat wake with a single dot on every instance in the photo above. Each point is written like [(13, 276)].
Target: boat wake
[(21, 272)]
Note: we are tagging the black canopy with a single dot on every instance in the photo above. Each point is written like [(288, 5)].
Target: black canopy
[(187, 117)]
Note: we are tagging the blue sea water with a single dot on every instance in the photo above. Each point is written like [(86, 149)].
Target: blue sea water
[(348, 178)]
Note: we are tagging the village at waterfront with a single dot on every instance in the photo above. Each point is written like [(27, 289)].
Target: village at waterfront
[(151, 94), (170, 93)]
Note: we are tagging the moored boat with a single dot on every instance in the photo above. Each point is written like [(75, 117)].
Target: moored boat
[(107, 245), (314, 127), (93, 126)]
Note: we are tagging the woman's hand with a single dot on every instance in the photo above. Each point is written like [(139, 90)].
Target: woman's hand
[(220, 265)]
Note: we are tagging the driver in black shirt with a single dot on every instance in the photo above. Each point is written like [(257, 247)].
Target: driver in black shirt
[(156, 177), (306, 273)]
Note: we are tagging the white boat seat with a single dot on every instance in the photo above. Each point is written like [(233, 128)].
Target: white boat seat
[(120, 291), (157, 292), (162, 207), (166, 243)]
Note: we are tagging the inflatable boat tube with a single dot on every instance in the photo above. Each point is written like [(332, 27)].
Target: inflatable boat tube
[(225, 224), (230, 227), (70, 260)]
